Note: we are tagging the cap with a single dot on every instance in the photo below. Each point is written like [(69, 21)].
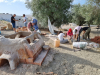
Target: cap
[(34, 21)]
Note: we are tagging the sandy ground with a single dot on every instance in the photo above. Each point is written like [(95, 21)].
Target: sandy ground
[(61, 61)]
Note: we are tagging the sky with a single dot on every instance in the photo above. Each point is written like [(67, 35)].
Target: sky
[(18, 7)]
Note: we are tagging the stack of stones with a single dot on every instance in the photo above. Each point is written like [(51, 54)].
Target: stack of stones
[(21, 29)]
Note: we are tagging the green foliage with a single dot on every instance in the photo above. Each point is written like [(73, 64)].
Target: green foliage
[(96, 10), (90, 12), (56, 10), (76, 15), (87, 12)]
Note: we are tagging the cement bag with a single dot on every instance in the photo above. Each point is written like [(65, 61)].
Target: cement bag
[(94, 45), (80, 45)]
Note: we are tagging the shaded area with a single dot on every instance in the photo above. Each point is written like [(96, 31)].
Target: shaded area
[(67, 62), (96, 32)]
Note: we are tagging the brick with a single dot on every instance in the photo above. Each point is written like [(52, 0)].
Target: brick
[(36, 55), (22, 61), (22, 54), (29, 52), (29, 61)]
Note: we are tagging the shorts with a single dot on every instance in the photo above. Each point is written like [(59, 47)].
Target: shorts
[(25, 24), (13, 24)]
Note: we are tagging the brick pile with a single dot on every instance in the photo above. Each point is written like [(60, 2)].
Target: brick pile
[(96, 39), (21, 29)]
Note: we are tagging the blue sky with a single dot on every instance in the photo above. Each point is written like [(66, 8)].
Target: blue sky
[(18, 6)]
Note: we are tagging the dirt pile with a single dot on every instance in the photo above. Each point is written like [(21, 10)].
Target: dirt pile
[(96, 39)]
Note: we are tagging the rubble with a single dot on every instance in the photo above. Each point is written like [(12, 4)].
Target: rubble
[(21, 29), (96, 39)]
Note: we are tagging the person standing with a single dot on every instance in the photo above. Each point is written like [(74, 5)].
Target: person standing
[(13, 22), (25, 20), (86, 32)]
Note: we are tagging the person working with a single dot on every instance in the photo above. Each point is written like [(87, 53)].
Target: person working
[(76, 33), (25, 21), (13, 22), (70, 34), (60, 36), (86, 32), (32, 26)]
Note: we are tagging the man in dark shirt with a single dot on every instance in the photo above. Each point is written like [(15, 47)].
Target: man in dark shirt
[(13, 22), (86, 32)]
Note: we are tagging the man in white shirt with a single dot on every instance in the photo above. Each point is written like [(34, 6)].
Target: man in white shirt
[(60, 36), (25, 21)]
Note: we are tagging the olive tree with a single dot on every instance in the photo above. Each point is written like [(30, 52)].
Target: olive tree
[(56, 10), (76, 15)]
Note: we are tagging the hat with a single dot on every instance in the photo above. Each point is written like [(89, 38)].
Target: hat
[(34, 21), (70, 30)]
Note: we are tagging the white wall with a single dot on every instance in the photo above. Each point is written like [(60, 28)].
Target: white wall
[(6, 17), (19, 23)]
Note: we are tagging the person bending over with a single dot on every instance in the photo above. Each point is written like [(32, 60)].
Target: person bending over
[(70, 34), (60, 36), (76, 33), (32, 26), (86, 32)]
